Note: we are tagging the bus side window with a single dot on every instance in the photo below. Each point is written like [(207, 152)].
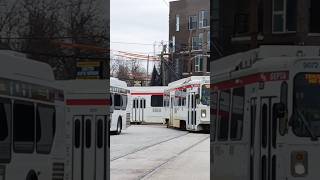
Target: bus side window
[(237, 114), (5, 130), (156, 101), (124, 100), (23, 127), (223, 115), (117, 101), (45, 128)]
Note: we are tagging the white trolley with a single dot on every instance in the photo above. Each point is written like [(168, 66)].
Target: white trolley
[(186, 103), (146, 104), (265, 114)]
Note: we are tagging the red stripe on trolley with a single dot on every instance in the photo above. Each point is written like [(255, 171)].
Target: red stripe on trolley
[(87, 102), (141, 94), (250, 79)]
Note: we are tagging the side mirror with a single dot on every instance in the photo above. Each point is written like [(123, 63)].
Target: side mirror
[(280, 110)]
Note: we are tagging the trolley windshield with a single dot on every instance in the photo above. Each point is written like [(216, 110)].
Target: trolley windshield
[(306, 106), (205, 94)]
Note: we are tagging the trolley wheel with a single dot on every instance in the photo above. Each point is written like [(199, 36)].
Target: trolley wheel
[(167, 122), (32, 175), (119, 126)]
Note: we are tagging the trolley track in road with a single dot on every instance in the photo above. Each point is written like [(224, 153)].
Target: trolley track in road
[(147, 174), (149, 146)]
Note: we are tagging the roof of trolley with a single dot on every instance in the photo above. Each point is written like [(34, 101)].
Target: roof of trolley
[(15, 65), (118, 83), (263, 59), (189, 80), (149, 89)]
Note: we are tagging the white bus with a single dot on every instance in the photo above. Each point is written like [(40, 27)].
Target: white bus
[(32, 126), (86, 128), (186, 103), (266, 115), (120, 117), (146, 104)]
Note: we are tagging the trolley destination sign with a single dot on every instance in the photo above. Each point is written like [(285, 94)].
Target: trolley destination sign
[(89, 70)]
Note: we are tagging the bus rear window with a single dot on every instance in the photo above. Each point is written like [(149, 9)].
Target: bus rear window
[(23, 127), (156, 101), (5, 137)]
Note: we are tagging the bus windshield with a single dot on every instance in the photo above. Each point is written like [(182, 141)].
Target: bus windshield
[(306, 112), (205, 94)]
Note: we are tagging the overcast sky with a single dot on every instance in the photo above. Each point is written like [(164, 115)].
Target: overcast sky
[(138, 21)]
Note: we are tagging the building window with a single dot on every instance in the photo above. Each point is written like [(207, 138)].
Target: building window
[(208, 41), (208, 64), (177, 22), (198, 65), (203, 19), (314, 16), (200, 43), (284, 16), (192, 22), (173, 44), (195, 43)]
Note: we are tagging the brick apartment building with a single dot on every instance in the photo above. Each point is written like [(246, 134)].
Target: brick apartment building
[(239, 25), (189, 37)]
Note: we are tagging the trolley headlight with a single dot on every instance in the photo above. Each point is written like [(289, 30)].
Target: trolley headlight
[(203, 113), (299, 163), (299, 169)]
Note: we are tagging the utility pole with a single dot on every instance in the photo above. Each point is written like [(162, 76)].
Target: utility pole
[(148, 68), (161, 66)]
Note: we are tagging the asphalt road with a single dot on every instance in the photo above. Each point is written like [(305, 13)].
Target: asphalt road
[(156, 152)]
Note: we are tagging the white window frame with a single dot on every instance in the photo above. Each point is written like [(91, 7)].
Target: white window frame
[(198, 59), (177, 22), (284, 16), (201, 19), (192, 42)]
